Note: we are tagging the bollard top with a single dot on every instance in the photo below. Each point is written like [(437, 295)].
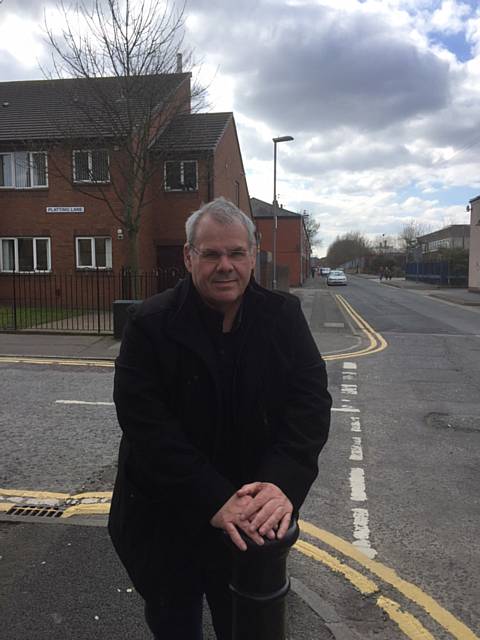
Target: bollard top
[(273, 547)]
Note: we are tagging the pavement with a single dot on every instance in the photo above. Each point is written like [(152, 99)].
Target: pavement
[(105, 347), (455, 295), (62, 579)]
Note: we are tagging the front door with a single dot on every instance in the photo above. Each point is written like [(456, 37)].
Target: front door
[(170, 265)]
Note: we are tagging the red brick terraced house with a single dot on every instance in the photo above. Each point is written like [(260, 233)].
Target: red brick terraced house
[(62, 174), (293, 246)]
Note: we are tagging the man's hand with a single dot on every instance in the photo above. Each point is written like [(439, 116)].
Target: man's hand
[(231, 518), (270, 510)]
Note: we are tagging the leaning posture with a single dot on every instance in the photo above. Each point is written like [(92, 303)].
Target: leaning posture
[(222, 398)]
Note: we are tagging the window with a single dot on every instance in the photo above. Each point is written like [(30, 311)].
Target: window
[(25, 254), (23, 169), (91, 166), (94, 253), (181, 176)]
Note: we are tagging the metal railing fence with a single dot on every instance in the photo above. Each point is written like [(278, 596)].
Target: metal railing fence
[(75, 302), (441, 272)]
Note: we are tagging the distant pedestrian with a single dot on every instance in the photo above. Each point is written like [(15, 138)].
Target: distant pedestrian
[(381, 274), (313, 271), (388, 273)]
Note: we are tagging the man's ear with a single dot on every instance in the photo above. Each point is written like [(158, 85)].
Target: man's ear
[(187, 258)]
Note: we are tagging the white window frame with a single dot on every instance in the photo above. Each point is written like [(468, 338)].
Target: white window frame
[(182, 175), (13, 172), (108, 252), (90, 165), (16, 256)]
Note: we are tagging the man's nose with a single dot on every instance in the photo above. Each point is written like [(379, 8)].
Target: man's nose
[(225, 263)]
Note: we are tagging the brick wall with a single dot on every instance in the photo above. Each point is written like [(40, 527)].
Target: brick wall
[(229, 174), (288, 244)]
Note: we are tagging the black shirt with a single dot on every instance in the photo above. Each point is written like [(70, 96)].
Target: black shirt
[(227, 348)]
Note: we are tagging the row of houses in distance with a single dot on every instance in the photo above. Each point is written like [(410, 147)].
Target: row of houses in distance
[(61, 178)]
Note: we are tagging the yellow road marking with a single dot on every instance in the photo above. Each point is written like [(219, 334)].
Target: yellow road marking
[(92, 494), (376, 341), (40, 495), (87, 510), (454, 626), (57, 361), (363, 584), (363, 324), (410, 626)]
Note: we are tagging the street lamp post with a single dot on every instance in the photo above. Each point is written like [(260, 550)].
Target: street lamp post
[(275, 204)]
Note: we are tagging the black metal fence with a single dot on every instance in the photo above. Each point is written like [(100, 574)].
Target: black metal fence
[(75, 302), (441, 272)]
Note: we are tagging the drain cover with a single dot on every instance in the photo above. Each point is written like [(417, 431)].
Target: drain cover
[(45, 512), (466, 424)]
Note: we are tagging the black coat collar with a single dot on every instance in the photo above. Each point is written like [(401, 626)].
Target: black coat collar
[(184, 324)]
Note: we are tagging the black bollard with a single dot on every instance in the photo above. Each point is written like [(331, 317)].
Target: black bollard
[(259, 587)]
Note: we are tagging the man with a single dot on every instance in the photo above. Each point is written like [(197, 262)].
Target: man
[(222, 398)]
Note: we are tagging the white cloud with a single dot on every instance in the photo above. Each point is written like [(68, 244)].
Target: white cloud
[(450, 16), (384, 113)]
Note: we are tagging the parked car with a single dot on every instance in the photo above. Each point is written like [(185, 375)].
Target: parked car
[(336, 277), (324, 271)]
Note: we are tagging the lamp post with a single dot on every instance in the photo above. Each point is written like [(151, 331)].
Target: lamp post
[(275, 204)]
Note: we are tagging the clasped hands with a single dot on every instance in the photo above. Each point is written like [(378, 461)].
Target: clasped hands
[(259, 509)]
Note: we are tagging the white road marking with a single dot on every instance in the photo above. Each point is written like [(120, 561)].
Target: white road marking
[(361, 529), (355, 424), (356, 452), (361, 532), (357, 485), (349, 389), (102, 404)]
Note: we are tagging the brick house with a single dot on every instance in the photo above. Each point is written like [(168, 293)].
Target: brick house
[(293, 246), (60, 175)]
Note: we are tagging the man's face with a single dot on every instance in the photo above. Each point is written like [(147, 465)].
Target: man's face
[(219, 272)]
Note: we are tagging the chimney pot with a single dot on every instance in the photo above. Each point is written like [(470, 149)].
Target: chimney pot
[(179, 63)]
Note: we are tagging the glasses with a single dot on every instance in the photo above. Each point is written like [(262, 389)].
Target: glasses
[(209, 255)]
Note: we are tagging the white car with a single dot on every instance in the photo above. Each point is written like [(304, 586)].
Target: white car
[(336, 277)]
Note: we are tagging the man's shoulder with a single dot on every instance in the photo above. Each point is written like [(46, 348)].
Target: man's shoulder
[(278, 299), (160, 304)]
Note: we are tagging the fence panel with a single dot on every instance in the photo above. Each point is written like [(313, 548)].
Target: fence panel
[(75, 302), (436, 273)]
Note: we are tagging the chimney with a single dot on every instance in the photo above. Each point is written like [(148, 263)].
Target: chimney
[(179, 63)]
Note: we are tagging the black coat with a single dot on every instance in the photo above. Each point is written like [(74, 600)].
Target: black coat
[(168, 398)]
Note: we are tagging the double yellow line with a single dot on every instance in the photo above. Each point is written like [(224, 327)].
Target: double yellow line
[(69, 362), (408, 624), (98, 502), (376, 342)]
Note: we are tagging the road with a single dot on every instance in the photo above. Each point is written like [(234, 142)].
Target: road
[(398, 478), (412, 446)]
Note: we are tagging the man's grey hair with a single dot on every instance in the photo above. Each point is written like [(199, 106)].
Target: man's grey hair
[(224, 212)]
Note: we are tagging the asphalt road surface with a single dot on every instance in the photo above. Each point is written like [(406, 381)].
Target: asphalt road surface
[(390, 543)]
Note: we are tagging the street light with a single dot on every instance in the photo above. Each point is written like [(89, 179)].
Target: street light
[(275, 204)]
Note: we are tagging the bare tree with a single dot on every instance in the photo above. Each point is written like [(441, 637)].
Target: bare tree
[(312, 227), (410, 232), (346, 248), (134, 46)]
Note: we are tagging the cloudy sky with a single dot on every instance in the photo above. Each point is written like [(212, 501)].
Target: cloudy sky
[(381, 96)]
